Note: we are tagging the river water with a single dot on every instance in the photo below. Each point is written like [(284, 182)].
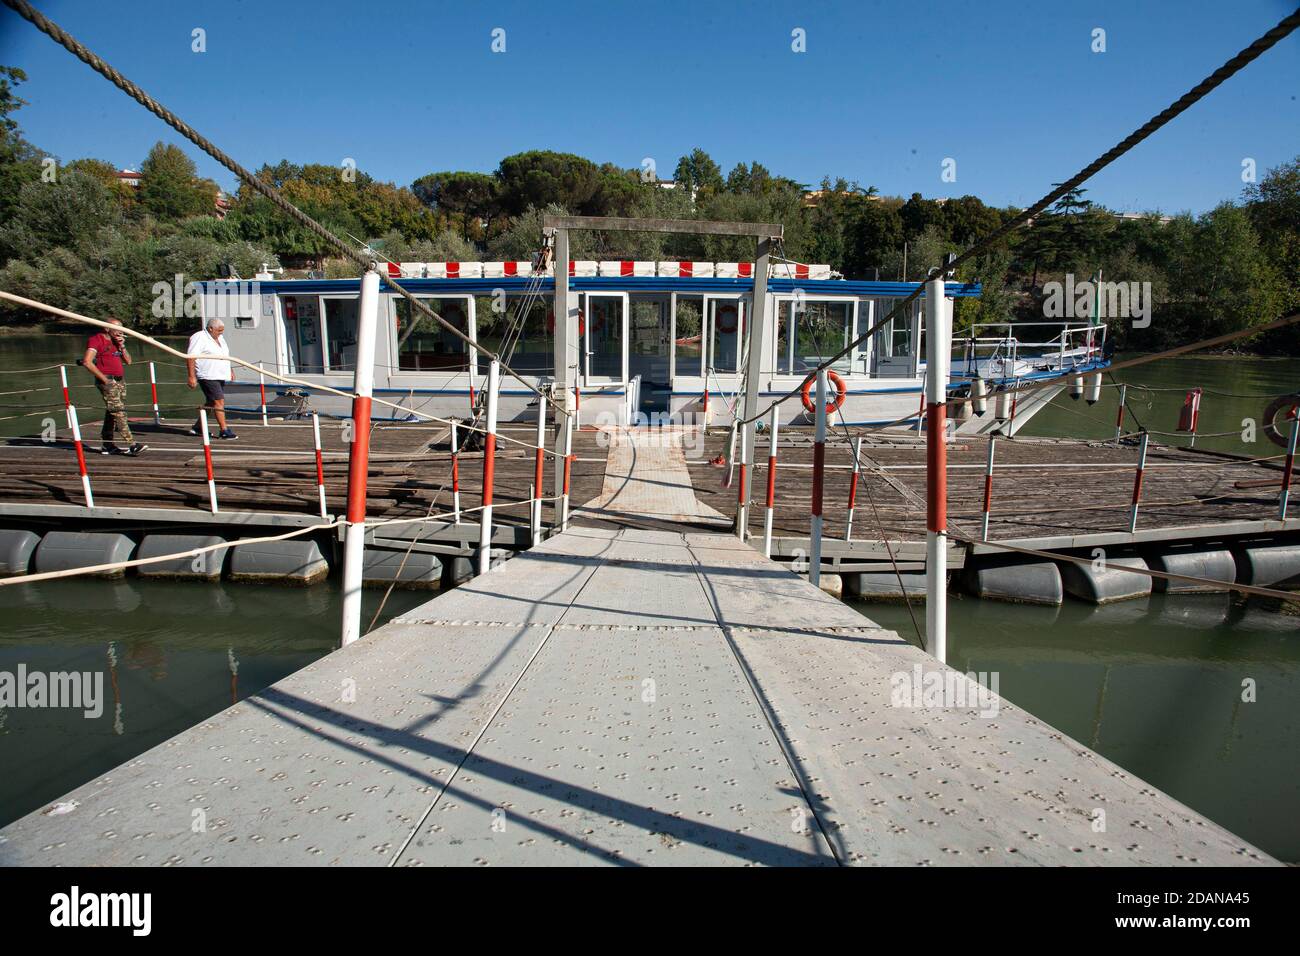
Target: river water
[(1154, 685)]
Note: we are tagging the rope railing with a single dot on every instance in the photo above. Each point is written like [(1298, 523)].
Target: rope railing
[(287, 379)]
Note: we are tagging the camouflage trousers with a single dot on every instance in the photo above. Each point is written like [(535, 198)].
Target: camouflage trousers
[(115, 423)]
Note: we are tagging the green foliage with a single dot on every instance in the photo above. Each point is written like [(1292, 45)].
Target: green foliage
[(698, 173), (170, 188)]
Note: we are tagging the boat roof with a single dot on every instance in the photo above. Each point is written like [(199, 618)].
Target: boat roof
[(632, 284)]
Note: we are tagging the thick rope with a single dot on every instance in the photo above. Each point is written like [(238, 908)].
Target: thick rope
[(1270, 39)]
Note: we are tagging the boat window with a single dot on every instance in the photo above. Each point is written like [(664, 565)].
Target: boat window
[(423, 344), (533, 351), (302, 334), (690, 310), (341, 334), (727, 334), (809, 332), (604, 335), (893, 351)]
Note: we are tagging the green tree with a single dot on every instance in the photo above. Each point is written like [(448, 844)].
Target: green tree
[(170, 188), (698, 174), (541, 177)]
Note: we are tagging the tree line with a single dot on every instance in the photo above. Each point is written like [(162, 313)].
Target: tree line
[(73, 234)]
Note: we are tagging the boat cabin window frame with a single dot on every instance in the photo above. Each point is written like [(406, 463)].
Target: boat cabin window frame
[(859, 360), (394, 337)]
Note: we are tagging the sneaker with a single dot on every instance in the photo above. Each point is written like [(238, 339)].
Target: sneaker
[(134, 450), (107, 449), (227, 434)]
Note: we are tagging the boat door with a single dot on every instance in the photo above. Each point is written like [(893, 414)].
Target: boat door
[(724, 334), (649, 349), (602, 329)]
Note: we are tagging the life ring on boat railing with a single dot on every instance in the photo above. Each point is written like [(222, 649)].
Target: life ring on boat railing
[(728, 310), (841, 392), (1290, 403)]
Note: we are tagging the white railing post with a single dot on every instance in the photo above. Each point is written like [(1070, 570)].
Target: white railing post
[(569, 420), (988, 489), (853, 487), (1119, 415), (1290, 464), (819, 474), (320, 464), (75, 426), (261, 389), (489, 468), (939, 329), (771, 481), (1137, 481), (455, 475), (207, 459), (153, 393), (354, 541), (539, 469)]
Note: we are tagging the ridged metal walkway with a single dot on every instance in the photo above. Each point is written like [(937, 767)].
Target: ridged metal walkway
[(618, 696)]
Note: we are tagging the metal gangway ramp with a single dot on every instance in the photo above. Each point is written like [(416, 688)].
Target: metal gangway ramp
[(627, 696)]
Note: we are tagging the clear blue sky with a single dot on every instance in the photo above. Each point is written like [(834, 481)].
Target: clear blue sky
[(885, 92)]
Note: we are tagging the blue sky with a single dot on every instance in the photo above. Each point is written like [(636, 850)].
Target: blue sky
[(885, 92)]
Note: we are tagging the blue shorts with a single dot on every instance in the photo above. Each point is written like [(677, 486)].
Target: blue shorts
[(213, 389)]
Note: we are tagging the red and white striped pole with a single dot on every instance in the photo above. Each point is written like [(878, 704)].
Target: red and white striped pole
[(1119, 414), (988, 490), (63, 377), (539, 469), (75, 427), (853, 487), (568, 467), (819, 475), (1137, 481), (1290, 463), (261, 388), (577, 406), (706, 403), (207, 460), (455, 475), (153, 394), (489, 469), (320, 465), (1196, 414), (363, 386), (920, 412), (938, 337), (742, 489), (771, 481)]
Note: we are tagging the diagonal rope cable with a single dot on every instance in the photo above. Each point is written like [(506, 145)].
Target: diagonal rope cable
[(1234, 65), (100, 66)]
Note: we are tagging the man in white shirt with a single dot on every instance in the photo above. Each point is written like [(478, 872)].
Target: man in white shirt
[(208, 358)]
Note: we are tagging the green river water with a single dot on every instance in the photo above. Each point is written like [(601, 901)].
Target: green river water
[(1154, 685)]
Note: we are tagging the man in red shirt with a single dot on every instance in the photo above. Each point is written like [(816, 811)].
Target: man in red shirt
[(106, 357)]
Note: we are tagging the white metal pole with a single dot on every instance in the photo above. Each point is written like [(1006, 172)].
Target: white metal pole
[(937, 357), (359, 455), (81, 455), (320, 465), (742, 489), (568, 463), (853, 487), (261, 390), (489, 469), (1288, 465), (819, 473), (1137, 481), (1119, 415), (153, 392), (538, 468), (988, 489), (207, 459), (455, 475), (771, 481)]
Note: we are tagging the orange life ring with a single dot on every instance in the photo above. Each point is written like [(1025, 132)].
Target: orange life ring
[(1291, 405), (730, 310), (841, 392)]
